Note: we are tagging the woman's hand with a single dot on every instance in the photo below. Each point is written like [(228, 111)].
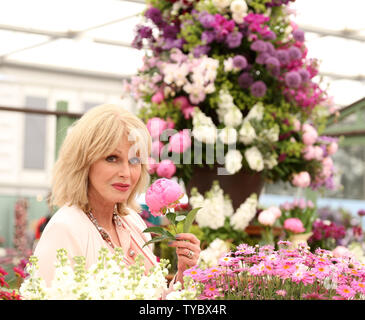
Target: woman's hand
[(188, 250)]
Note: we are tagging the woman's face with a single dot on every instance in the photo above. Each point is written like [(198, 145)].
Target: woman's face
[(114, 177)]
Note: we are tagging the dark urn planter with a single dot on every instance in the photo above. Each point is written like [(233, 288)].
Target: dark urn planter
[(238, 186)]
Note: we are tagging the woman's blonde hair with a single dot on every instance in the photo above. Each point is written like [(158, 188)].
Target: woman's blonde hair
[(95, 135)]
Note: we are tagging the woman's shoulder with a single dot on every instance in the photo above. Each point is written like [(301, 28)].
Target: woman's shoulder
[(136, 218), (68, 217)]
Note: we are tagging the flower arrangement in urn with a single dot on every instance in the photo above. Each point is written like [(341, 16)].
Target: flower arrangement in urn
[(229, 83)]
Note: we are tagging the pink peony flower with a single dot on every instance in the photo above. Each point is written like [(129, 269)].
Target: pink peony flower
[(332, 148), (301, 179), (166, 169), (156, 126), (341, 251), (158, 97), (182, 102), (163, 194), (180, 142), (267, 217), (294, 225)]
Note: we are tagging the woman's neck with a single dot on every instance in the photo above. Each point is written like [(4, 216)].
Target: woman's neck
[(102, 212)]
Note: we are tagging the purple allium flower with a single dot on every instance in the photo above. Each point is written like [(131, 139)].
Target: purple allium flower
[(262, 57), (304, 74), (245, 80), (200, 50), (171, 43), (269, 35), (293, 79), (206, 19), (294, 53), (270, 49), (208, 36), (239, 62), (259, 46), (234, 39), (282, 56), (299, 35), (258, 89), (155, 15), (273, 65)]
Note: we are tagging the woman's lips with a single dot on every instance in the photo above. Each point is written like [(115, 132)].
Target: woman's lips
[(121, 186)]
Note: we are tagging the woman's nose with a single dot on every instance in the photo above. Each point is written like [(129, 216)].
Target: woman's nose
[(124, 170)]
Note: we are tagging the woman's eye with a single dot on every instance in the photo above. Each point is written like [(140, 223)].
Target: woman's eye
[(111, 158), (135, 160)]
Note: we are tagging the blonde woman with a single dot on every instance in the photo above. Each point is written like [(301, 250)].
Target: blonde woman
[(101, 169)]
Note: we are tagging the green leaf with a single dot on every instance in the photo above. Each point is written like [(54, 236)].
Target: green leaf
[(171, 216), (158, 230), (157, 239), (190, 217)]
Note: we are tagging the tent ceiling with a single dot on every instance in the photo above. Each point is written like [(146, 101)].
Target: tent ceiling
[(92, 37)]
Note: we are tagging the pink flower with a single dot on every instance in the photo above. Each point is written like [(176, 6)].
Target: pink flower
[(166, 169), (156, 126), (180, 142), (310, 134), (182, 102), (301, 179), (296, 125), (341, 251), (294, 225), (163, 194), (152, 165), (156, 148), (345, 291), (158, 97), (281, 293), (188, 112), (267, 217), (332, 148)]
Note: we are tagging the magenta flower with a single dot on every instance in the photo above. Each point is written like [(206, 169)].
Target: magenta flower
[(162, 195), (258, 89), (156, 126), (294, 225), (345, 291), (180, 142)]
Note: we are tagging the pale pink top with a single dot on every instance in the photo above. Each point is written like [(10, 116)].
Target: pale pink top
[(71, 229)]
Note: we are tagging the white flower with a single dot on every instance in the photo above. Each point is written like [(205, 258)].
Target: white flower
[(204, 129), (232, 117), (271, 162), (228, 135), (257, 112), (233, 161), (221, 4), (247, 133), (271, 134), (239, 10), (254, 159), (245, 213), (228, 64), (211, 255)]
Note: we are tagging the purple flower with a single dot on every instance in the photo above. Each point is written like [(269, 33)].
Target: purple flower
[(273, 65), (269, 35), (200, 50), (258, 89), (304, 74), (234, 39), (155, 15), (170, 31), (207, 20), (262, 57), (293, 79), (208, 36), (270, 48), (259, 46), (299, 35), (282, 56), (171, 43), (245, 80), (144, 32), (294, 53), (239, 62)]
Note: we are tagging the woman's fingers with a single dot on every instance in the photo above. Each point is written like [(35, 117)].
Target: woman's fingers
[(188, 236)]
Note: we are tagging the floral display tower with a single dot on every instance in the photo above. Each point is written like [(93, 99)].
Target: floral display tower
[(227, 86)]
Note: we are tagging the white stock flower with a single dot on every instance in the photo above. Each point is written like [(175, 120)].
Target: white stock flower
[(211, 255), (233, 161), (271, 162), (247, 133), (228, 64), (239, 10), (204, 129), (232, 117), (245, 213), (271, 134), (254, 159), (257, 112), (228, 135)]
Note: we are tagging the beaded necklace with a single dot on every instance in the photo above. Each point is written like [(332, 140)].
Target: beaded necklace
[(105, 235)]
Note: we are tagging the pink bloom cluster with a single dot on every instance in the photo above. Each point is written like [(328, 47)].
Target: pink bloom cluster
[(266, 273)]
